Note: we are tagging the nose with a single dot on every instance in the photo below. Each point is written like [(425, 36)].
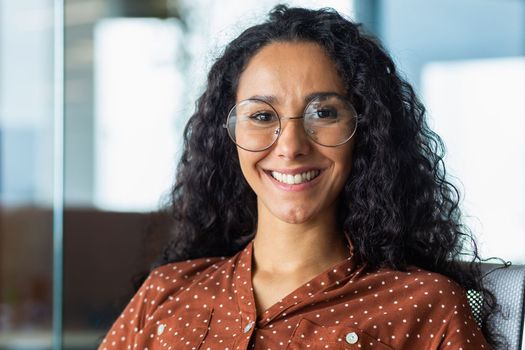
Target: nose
[(293, 141)]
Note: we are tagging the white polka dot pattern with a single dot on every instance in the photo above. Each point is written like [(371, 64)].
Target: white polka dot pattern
[(209, 304)]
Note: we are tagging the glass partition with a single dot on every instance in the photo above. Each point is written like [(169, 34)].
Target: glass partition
[(26, 173)]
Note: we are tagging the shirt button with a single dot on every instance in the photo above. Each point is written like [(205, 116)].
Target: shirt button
[(161, 328), (248, 327), (352, 338)]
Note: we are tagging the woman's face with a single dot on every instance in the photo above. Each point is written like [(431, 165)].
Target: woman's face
[(287, 73)]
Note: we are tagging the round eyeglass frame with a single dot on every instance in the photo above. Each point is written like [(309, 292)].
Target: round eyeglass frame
[(278, 130)]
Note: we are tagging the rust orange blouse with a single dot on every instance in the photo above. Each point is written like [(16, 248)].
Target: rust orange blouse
[(208, 303)]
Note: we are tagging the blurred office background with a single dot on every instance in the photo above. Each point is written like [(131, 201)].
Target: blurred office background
[(92, 107)]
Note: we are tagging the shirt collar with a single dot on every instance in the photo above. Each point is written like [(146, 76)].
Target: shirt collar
[(314, 291)]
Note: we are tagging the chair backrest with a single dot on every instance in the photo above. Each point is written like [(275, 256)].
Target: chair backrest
[(508, 286)]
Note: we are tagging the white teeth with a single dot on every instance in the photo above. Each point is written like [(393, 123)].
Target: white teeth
[(295, 179)]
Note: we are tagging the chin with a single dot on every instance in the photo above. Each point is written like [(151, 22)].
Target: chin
[(294, 215)]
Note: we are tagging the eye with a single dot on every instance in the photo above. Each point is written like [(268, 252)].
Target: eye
[(263, 116), (326, 113)]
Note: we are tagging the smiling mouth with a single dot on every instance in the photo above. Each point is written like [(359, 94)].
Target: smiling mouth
[(296, 179)]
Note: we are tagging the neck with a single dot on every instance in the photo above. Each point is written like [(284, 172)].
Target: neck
[(281, 248)]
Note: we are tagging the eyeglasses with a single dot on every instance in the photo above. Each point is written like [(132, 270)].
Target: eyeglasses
[(329, 120)]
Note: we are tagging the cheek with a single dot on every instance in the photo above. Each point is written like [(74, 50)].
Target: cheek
[(343, 166), (342, 158), (248, 162)]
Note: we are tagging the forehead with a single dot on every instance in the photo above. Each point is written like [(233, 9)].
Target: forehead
[(288, 71)]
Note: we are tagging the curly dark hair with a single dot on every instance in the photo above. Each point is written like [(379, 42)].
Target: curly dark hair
[(397, 204)]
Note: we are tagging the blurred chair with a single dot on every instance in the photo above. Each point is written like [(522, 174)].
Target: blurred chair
[(508, 285)]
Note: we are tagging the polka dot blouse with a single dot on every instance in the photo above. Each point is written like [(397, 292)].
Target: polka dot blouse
[(208, 303)]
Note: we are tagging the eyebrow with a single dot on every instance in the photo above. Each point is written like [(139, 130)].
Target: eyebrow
[(271, 99)]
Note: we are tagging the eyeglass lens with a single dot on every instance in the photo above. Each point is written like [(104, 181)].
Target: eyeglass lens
[(254, 125)]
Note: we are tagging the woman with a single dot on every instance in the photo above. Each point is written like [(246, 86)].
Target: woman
[(331, 205)]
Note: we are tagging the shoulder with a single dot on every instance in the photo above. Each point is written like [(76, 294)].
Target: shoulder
[(439, 297), (421, 289), (432, 281), (428, 304), (165, 283), (420, 279), (179, 274), (429, 296), (434, 284)]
